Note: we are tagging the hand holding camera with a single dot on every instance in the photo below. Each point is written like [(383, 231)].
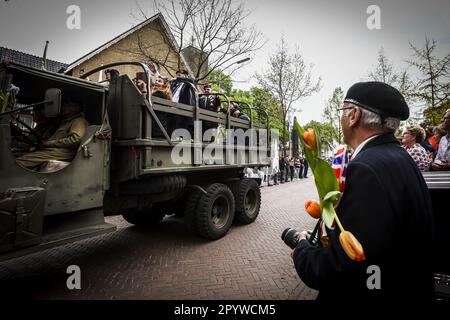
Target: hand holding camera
[(292, 237)]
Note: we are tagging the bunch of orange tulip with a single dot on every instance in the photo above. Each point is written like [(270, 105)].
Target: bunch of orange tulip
[(329, 194)]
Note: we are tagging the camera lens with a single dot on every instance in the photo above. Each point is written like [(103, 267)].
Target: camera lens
[(290, 237)]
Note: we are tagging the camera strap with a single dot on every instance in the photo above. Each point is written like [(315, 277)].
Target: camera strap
[(313, 239)]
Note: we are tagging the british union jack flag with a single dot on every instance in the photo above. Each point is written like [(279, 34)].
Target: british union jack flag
[(339, 165)]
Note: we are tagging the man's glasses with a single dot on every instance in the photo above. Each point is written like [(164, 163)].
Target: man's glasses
[(344, 108)]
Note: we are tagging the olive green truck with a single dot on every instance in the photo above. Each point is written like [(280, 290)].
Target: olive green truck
[(119, 168)]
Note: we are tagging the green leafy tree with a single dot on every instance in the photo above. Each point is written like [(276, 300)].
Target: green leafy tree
[(331, 112), (263, 99), (242, 96), (327, 133), (256, 96), (220, 82), (433, 116)]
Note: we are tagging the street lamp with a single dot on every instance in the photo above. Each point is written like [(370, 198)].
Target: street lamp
[(242, 61), (237, 62)]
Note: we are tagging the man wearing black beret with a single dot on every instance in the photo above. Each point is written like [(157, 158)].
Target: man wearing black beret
[(385, 204)]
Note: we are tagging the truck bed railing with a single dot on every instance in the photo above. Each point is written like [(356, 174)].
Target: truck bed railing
[(143, 154)]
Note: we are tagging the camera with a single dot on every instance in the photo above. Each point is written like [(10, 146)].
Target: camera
[(290, 237)]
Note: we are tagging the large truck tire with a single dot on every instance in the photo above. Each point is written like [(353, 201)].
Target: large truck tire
[(190, 213), (248, 202), (154, 185), (142, 217), (215, 211)]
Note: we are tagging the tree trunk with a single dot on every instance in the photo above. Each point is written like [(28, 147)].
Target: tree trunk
[(284, 133)]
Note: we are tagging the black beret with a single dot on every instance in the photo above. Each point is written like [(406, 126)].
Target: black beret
[(379, 98)]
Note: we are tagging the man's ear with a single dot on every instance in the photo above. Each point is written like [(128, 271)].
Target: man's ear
[(355, 117)]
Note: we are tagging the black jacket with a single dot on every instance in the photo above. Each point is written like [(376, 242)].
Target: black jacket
[(187, 94), (386, 205)]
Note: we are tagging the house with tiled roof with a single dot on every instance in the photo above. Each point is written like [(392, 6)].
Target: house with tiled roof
[(149, 41), (30, 60)]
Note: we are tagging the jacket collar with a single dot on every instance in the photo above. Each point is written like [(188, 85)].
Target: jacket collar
[(381, 139)]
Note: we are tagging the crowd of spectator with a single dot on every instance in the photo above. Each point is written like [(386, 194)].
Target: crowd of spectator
[(430, 149), (289, 169)]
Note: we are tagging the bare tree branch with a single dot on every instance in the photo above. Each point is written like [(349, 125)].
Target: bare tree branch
[(216, 26), (289, 79)]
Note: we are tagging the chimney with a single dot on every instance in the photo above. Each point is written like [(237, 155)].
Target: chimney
[(193, 57)]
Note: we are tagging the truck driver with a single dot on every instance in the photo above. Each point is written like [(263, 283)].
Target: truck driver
[(63, 144)]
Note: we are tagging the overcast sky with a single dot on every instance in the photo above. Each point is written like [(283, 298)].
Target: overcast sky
[(332, 35)]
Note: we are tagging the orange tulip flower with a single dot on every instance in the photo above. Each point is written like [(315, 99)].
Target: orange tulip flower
[(351, 246), (309, 136), (313, 208)]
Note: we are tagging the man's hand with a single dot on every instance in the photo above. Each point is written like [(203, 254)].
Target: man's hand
[(304, 235)]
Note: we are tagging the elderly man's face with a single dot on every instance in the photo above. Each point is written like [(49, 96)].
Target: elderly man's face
[(345, 114)]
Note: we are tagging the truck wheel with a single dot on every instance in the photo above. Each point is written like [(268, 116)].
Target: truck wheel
[(142, 217), (154, 185), (215, 211), (190, 213), (249, 201)]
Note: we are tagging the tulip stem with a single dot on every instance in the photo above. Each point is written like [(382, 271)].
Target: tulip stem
[(338, 223)]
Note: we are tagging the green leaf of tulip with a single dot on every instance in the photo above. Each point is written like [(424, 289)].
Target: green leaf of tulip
[(332, 196), (325, 178), (328, 213)]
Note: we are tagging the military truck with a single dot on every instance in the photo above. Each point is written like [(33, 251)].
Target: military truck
[(119, 168)]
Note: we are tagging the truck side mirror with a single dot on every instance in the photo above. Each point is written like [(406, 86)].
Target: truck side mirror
[(52, 106)]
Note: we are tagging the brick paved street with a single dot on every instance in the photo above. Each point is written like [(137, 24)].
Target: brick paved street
[(251, 262)]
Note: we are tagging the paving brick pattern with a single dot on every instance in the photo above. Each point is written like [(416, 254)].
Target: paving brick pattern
[(251, 262)]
